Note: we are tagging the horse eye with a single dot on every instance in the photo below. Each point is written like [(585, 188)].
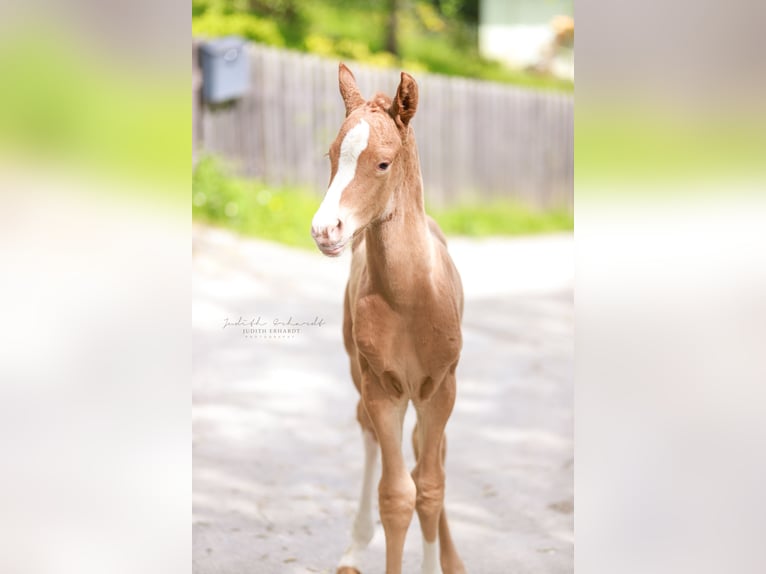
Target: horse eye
[(383, 166)]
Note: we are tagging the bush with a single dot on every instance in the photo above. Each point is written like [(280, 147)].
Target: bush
[(215, 24), (430, 39)]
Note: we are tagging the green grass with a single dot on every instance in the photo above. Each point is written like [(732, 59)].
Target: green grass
[(251, 207), (501, 218), (284, 214)]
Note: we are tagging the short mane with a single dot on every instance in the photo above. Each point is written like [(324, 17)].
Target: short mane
[(381, 101)]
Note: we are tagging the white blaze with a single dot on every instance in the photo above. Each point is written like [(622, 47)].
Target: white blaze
[(352, 146)]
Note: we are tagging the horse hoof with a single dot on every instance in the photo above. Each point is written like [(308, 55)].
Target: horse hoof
[(347, 570)]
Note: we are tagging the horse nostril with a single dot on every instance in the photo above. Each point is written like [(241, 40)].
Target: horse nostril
[(335, 231)]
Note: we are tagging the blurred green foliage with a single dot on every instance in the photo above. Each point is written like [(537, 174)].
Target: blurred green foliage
[(222, 18), (438, 36), (62, 103), (501, 218), (646, 143), (251, 207), (284, 214)]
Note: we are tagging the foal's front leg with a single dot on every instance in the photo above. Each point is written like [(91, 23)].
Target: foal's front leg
[(429, 443), (364, 526), (396, 491)]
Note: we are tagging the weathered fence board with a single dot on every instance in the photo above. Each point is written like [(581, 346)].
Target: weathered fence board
[(477, 140)]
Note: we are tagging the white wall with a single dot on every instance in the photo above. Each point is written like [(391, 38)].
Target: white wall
[(517, 32)]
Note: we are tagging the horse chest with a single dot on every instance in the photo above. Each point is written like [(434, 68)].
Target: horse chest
[(406, 349)]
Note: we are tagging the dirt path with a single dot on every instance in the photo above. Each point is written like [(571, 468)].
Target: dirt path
[(277, 451)]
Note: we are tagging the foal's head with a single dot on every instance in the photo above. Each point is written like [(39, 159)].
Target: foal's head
[(366, 162)]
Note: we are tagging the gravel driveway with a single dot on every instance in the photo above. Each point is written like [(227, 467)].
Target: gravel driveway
[(278, 452)]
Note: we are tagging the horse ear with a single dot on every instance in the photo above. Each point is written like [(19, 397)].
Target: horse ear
[(348, 90), (405, 102)]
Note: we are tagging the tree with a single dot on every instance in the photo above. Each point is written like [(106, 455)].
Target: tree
[(392, 28)]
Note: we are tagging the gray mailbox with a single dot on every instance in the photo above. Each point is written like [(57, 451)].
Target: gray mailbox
[(225, 69)]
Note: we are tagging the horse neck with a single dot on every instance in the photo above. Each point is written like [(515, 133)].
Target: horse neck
[(398, 245)]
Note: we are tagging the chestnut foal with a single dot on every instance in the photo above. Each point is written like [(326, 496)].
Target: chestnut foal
[(402, 312)]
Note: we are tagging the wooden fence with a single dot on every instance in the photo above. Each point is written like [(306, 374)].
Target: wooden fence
[(477, 140)]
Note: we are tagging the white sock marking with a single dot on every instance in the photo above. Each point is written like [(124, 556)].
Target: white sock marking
[(354, 143), (430, 558), (364, 525)]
